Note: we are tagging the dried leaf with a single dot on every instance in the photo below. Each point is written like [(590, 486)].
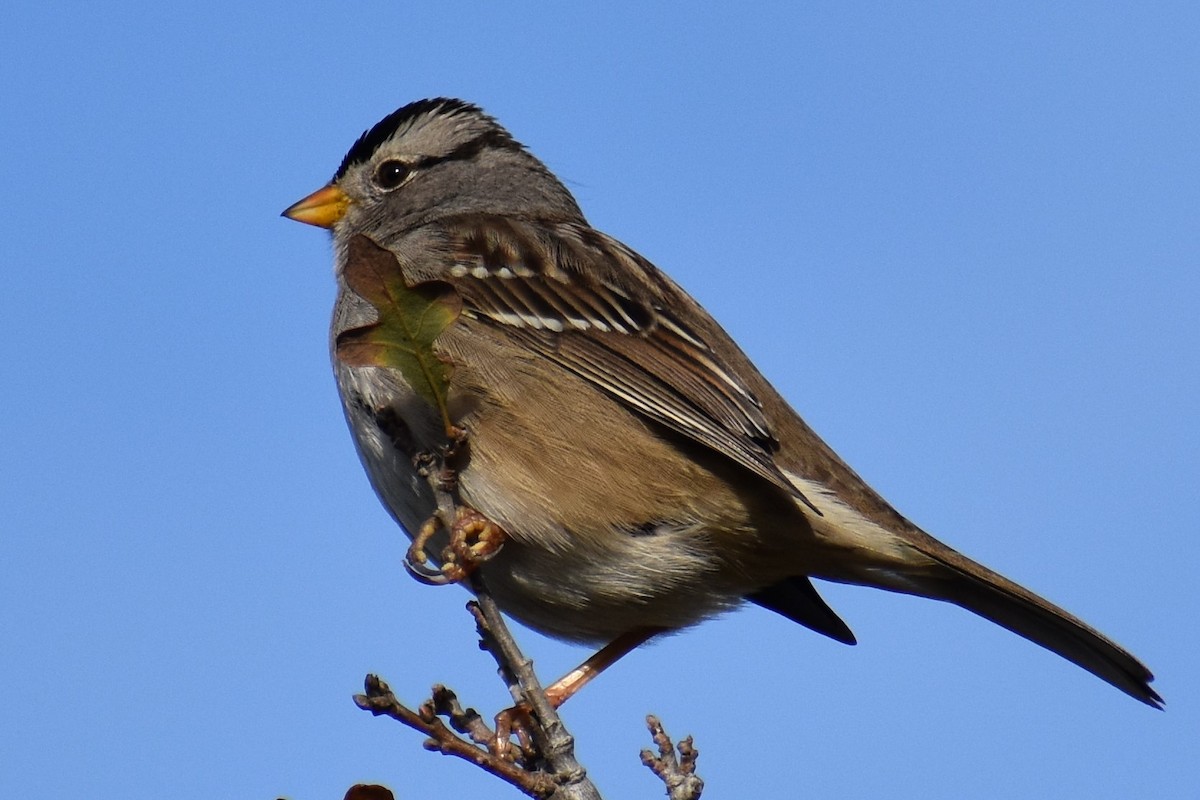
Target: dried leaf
[(410, 320)]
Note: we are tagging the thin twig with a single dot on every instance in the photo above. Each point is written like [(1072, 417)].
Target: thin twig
[(379, 700), (466, 721), (678, 773), (551, 738)]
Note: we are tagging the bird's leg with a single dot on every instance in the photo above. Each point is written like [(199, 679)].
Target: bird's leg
[(565, 687), (473, 539), (513, 720)]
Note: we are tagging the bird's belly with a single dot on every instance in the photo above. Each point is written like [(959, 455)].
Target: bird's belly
[(588, 594), (594, 549)]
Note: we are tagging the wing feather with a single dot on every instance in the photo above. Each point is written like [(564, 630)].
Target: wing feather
[(586, 302)]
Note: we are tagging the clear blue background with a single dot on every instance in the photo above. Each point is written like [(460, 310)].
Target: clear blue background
[(962, 240)]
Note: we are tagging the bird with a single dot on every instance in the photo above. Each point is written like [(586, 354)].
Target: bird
[(645, 474)]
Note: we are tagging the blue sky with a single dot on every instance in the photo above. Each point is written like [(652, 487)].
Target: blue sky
[(961, 239)]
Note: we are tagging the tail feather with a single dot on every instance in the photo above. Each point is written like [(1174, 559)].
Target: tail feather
[(797, 599), (959, 580)]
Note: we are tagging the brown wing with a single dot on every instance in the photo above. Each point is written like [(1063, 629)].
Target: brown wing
[(593, 306)]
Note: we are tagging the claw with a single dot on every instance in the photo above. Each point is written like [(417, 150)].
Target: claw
[(430, 576), (417, 562), (515, 720), (473, 539)]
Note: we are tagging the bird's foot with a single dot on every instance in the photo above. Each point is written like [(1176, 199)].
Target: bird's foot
[(473, 540)]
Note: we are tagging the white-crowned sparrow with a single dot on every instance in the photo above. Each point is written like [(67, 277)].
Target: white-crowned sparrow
[(646, 474)]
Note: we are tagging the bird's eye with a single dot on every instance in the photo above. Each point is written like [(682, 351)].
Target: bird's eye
[(391, 174)]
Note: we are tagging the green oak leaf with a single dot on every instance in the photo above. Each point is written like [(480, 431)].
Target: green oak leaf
[(410, 319)]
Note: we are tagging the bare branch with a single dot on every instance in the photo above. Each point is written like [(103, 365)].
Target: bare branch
[(550, 737), (541, 763), (379, 700)]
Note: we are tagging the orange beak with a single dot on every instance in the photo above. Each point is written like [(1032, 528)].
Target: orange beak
[(322, 208)]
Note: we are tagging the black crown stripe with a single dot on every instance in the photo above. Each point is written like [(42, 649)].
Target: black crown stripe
[(371, 140)]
